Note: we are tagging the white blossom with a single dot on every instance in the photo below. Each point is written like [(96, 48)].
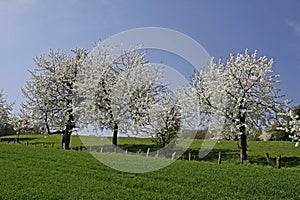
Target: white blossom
[(241, 89), (49, 92), (117, 88), (292, 124), (5, 110)]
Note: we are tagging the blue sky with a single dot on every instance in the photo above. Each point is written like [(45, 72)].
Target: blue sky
[(29, 28)]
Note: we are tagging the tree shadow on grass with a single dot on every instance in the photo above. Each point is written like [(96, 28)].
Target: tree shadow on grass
[(227, 155), (138, 147), (8, 140), (212, 156), (285, 161), (233, 156), (133, 148), (14, 139), (193, 154)]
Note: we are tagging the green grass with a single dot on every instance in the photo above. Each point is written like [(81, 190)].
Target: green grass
[(48, 140), (256, 152), (229, 149), (34, 172)]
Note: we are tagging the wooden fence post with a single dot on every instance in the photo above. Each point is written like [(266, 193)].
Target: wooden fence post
[(148, 151), (157, 153), (173, 155), (241, 157), (220, 158), (268, 159), (190, 154), (278, 161)]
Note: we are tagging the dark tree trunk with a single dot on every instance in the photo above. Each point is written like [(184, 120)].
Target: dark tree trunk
[(70, 124), (46, 123), (163, 141), (66, 138), (244, 145), (115, 135), (243, 137)]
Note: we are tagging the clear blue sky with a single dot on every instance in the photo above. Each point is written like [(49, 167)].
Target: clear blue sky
[(29, 28)]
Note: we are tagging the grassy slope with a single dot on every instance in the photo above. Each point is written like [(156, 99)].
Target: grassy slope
[(49, 173), (34, 172)]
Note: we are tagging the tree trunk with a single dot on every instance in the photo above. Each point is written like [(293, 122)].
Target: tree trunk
[(244, 145), (70, 125), (115, 135), (46, 123), (66, 137), (163, 141), (243, 137)]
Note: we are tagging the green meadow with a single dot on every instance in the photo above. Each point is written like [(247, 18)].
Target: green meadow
[(39, 169)]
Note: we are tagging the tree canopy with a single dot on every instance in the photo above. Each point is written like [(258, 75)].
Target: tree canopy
[(242, 90)]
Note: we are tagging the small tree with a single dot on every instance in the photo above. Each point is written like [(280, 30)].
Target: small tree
[(20, 122), (165, 121), (170, 128), (247, 94)]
